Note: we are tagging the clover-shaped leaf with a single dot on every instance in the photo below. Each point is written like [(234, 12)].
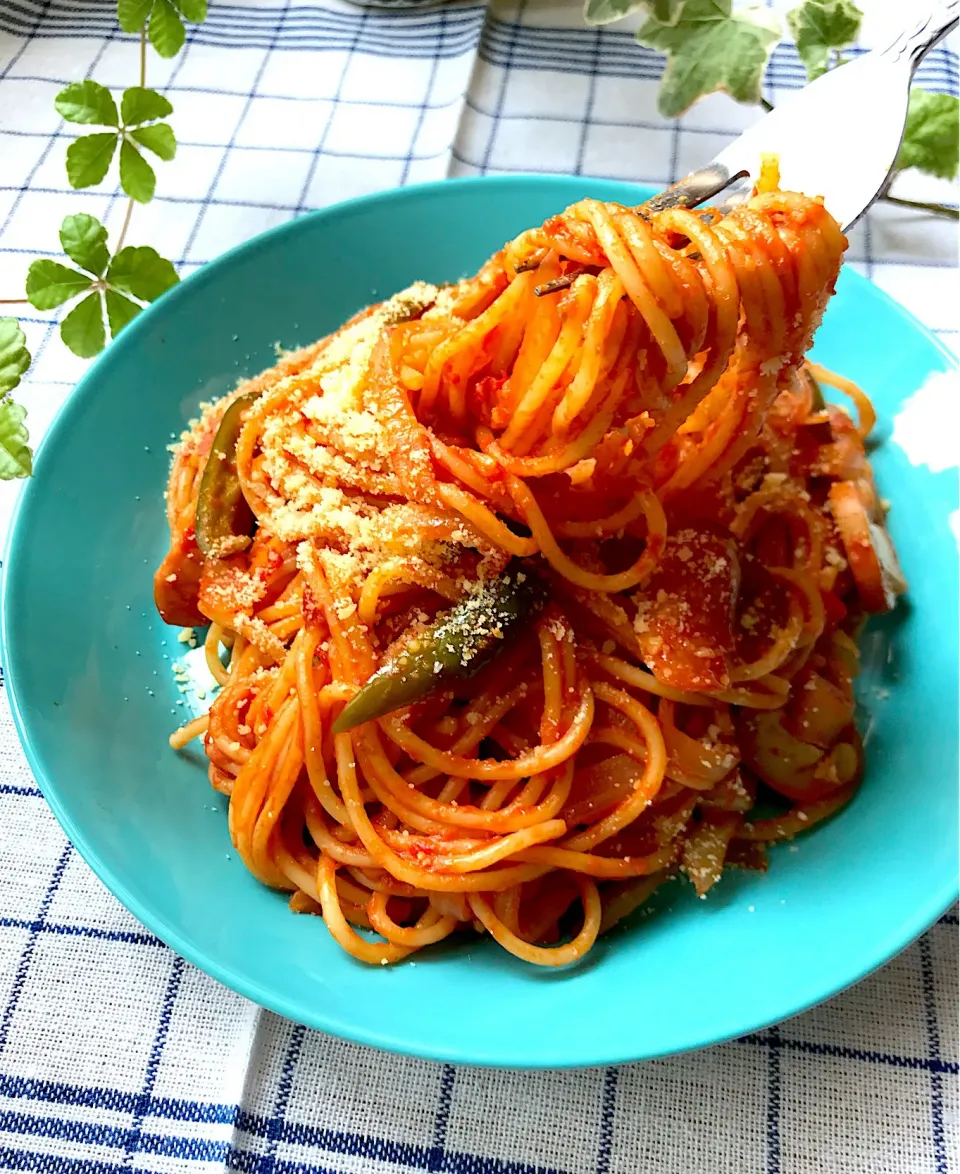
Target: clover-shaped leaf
[(84, 240), (87, 102), (16, 459), (137, 177), (14, 356), (158, 138), (140, 104), (120, 311), (50, 284), (82, 330), (142, 272), (135, 126), (115, 287), (163, 20), (88, 159)]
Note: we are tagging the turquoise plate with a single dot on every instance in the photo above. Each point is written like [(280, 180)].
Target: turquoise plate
[(94, 698)]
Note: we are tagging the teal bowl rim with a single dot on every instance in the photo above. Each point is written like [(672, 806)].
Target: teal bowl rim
[(926, 915)]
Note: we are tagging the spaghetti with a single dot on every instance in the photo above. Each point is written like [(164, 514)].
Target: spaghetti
[(531, 585)]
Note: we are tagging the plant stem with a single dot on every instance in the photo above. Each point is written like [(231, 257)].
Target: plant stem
[(124, 226), (923, 206), (768, 106), (13, 301), (143, 81)]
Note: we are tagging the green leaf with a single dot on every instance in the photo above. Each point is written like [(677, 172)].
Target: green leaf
[(930, 140), (142, 272), (143, 105), (193, 10), (137, 177), (818, 26), (605, 11), (132, 14), (166, 29), (82, 330), (158, 138), (711, 48), (14, 356), (16, 459), (87, 101), (88, 159), (84, 240), (51, 284), (120, 311)]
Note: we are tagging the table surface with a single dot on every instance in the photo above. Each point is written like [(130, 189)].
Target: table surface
[(117, 1055)]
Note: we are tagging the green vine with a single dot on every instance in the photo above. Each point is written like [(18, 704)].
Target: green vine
[(108, 284), (712, 46), (709, 46)]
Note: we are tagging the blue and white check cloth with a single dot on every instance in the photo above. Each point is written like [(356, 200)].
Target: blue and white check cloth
[(115, 1055)]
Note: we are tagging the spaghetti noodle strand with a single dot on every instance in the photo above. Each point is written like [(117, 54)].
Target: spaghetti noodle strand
[(548, 570)]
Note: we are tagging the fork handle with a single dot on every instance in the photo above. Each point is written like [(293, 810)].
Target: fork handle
[(916, 41)]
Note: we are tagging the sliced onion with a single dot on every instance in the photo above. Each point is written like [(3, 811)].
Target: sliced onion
[(784, 762), (705, 849), (869, 551), (819, 710), (690, 761), (598, 789)]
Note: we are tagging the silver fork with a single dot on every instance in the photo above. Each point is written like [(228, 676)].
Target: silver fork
[(838, 138)]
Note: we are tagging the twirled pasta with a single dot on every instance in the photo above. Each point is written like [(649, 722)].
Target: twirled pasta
[(620, 401)]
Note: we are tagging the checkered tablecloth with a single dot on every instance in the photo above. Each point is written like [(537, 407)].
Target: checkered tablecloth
[(115, 1054)]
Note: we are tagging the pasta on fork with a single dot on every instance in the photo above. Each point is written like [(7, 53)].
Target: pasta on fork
[(522, 591)]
